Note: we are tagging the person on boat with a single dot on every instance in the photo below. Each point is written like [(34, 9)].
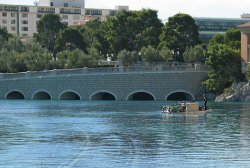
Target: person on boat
[(205, 101), (166, 109)]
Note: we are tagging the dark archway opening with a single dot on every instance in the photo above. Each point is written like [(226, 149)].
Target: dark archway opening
[(103, 96), (180, 96), (69, 96), (15, 95), (141, 96), (42, 96)]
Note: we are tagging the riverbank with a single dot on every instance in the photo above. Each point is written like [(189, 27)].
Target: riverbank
[(238, 93)]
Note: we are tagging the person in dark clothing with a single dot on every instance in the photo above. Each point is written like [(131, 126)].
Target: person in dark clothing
[(205, 101)]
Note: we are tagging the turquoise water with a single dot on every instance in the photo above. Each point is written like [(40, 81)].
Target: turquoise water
[(121, 134)]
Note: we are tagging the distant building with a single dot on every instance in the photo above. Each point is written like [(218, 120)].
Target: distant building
[(63, 3), (208, 27), (21, 19), (245, 45)]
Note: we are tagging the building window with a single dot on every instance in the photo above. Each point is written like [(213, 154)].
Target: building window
[(4, 14), (13, 28), (24, 15), (112, 13), (10, 8), (13, 21), (4, 21), (66, 5), (45, 10), (24, 9), (64, 16), (25, 22), (76, 17), (13, 14), (51, 4), (70, 11), (25, 29), (93, 12)]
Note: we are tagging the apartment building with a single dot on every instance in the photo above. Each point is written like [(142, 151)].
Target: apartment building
[(63, 3), (21, 19)]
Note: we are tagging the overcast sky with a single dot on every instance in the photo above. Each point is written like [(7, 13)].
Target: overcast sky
[(167, 8)]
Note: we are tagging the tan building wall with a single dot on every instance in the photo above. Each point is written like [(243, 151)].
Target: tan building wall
[(244, 42), (245, 45), (21, 20)]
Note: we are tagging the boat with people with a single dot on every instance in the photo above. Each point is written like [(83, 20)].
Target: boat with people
[(192, 108)]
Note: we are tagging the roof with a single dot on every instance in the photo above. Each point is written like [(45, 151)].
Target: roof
[(245, 25)]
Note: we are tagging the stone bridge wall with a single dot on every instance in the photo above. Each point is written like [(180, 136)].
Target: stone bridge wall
[(88, 86)]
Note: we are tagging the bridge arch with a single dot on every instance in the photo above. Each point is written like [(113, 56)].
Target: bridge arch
[(180, 95), (15, 94), (69, 95), (102, 95), (41, 95), (141, 95)]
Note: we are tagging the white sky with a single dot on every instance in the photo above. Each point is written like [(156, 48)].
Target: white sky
[(167, 8)]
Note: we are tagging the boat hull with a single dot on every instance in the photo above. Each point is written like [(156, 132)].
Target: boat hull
[(189, 113)]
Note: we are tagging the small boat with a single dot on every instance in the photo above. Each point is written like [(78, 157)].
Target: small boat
[(190, 108)]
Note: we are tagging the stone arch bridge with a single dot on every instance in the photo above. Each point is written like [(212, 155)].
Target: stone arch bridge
[(118, 83)]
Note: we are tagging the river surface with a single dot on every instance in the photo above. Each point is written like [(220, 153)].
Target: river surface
[(121, 134)]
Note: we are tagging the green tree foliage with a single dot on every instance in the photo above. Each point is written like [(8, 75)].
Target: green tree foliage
[(194, 54), (18, 57), (131, 30), (233, 37), (248, 72), (4, 35), (217, 39), (94, 34), (73, 59), (225, 67), (69, 39), (150, 54), (48, 28), (179, 33), (36, 58), (224, 61), (166, 54), (95, 56), (127, 57)]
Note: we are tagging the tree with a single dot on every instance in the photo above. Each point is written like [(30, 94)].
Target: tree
[(48, 28), (16, 56), (36, 58), (73, 59), (131, 30), (94, 34), (150, 54), (225, 67), (233, 37), (149, 30), (69, 39), (248, 72), (127, 57), (224, 61), (4, 35), (166, 54), (179, 33), (194, 54)]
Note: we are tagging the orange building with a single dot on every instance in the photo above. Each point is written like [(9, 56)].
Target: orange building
[(245, 45)]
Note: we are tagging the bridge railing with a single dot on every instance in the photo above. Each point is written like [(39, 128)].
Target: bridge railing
[(120, 69)]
